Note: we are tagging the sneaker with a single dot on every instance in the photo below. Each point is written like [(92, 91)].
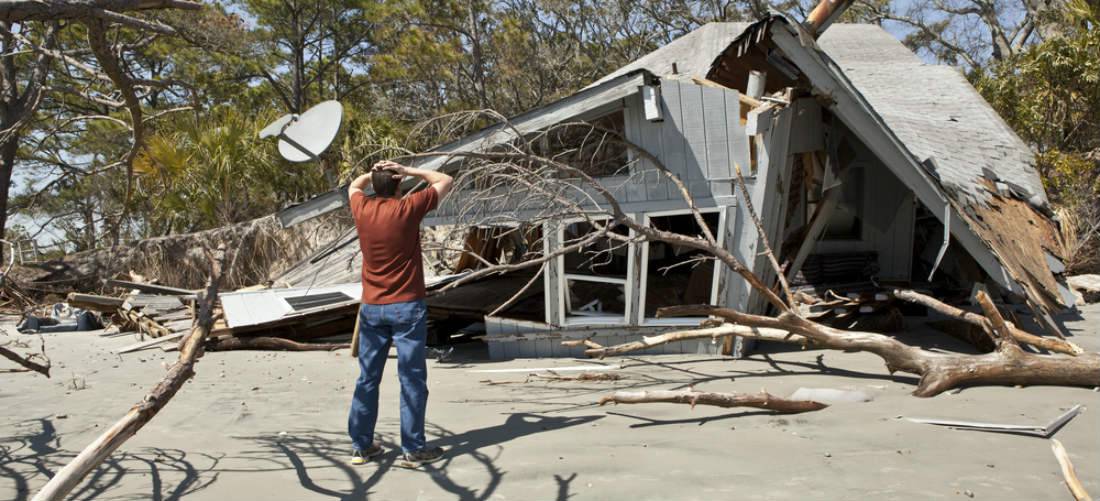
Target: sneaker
[(361, 456), (425, 456)]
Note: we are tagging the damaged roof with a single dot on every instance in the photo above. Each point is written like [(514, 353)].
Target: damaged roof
[(692, 54), (933, 130), (935, 111)]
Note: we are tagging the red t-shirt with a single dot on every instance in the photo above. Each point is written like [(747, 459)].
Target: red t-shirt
[(389, 236)]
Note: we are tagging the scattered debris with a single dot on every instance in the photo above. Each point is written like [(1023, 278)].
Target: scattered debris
[(61, 318), (149, 343), (1045, 431)]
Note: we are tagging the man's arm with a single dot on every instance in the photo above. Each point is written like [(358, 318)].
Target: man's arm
[(358, 184), (439, 181)]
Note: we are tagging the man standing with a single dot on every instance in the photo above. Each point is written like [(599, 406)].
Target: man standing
[(392, 310)]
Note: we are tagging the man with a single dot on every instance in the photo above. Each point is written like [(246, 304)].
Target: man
[(392, 310)]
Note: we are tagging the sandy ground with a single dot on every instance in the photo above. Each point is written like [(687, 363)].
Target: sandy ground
[(271, 425)]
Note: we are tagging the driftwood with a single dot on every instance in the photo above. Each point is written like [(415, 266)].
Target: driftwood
[(760, 400), (1007, 365), (268, 343), (584, 376), (1068, 472), (191, 350), (1046, 343), (28, 362), (587, 343)]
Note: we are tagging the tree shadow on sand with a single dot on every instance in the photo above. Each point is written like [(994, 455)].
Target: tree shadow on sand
[(34, 453), (309, 452)]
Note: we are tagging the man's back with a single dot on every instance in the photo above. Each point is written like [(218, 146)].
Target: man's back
[(393, 312), (389, 238)]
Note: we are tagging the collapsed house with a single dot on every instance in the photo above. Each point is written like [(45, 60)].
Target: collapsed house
[(867, 168)]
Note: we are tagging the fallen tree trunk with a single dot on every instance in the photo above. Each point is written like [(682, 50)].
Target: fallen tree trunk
[(190, 351), (268, 343), (939, 372), (760, 400), (1046, 343)]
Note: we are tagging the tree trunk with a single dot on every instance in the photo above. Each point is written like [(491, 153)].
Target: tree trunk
[(8, 151), (939, 372)]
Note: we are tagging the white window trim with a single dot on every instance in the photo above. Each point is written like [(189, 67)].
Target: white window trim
[(563, 278), (720, 238)]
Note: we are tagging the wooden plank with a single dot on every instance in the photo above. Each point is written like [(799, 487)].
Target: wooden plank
[(152, 342), (149, 288), (769, 196), (94, 302), (552, 286), (741, 98), (737, 138)]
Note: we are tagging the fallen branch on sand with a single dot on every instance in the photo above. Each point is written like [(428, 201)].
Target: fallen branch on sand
[(29, 362), (1050, 344), (554, 376), (190, 351), (1007, 365), (1068, 472), (762, 400), (268, 343)]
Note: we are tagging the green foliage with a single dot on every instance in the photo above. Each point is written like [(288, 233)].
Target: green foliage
[(209, 169), (1050, 95)]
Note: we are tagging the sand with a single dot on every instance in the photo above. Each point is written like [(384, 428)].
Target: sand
[(269, 425)]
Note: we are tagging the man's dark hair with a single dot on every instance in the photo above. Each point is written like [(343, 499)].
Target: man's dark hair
[(385, 185)]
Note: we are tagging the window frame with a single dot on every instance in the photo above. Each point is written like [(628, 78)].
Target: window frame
[(566, 320), (645, 321)]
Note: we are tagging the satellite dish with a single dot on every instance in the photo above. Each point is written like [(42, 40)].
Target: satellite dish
[(304, 137)]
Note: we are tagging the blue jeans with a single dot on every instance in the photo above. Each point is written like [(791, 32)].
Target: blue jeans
[(380, 325)]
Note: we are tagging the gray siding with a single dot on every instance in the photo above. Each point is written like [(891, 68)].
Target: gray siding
[(512, 339), (700, 139)]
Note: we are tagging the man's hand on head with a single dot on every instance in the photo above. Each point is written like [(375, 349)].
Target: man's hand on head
[(399, 171)]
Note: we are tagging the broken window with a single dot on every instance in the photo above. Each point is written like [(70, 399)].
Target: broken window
[(595, 301), (595, 277), (675, 274)]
